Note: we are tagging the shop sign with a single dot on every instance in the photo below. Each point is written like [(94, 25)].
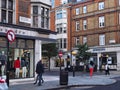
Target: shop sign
[(10, 35), (98, 49)]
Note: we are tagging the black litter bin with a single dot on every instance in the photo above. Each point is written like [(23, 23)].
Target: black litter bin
[(63, 77)]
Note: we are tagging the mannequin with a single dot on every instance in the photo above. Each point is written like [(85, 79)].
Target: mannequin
[(17, 67), (2, 62), (23, 65)]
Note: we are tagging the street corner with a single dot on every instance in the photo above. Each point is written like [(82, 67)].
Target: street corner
[(95, 80)]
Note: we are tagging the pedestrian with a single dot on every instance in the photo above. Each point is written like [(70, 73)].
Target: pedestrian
[(107, 69), (39, 71), (91, 68), (37, 78)]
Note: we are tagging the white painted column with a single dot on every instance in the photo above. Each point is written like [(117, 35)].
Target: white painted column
[(98, 61), (38, 51), (118, 60)]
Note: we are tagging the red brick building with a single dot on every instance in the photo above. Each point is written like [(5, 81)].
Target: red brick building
[(96, 22)]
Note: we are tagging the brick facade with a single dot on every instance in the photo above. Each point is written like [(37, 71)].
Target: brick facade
[(23, 9), (93, 31)]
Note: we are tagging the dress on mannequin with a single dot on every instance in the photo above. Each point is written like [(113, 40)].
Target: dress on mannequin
[(17, 67)]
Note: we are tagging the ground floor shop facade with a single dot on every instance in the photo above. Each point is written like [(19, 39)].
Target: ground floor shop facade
[(107, 54), (27, 46)]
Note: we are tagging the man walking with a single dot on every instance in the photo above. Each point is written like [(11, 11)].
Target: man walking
[(107, 69), (39, 71)]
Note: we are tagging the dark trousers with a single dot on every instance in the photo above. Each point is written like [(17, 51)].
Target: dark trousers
[(107, 72), (39, 77)]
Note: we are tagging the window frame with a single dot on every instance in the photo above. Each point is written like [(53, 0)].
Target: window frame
[(101, 21), (84, 39), (77, 25), (101, 5), (8, 9), (85, 9), (102, 39), (84, 24), (77, 40), (77, 11)]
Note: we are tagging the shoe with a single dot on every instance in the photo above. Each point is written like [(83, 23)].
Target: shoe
[(34, 83), (39, 85), (42, 81)]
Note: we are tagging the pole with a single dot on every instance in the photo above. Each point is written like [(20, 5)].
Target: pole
[(60, 64), (73, 68), (8, 64)]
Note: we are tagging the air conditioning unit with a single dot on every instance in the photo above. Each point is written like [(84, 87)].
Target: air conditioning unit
[(111, 41)]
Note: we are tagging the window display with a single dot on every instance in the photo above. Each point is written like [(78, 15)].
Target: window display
[(21, 57), (2, 63)]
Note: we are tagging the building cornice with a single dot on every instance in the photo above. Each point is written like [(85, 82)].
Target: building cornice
[(39, 30)]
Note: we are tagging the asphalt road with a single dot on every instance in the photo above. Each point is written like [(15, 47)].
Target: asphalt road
[(115, 86)]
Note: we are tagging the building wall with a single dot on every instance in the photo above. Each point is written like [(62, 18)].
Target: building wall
[(57, 3), (23, 9), (110, 30), (92, 17), (52, 20)]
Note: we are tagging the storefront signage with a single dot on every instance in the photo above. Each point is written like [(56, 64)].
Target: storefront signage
[(10, 35), (98, 49)]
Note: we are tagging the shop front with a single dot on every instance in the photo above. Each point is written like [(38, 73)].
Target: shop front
[(107, 55), (24, 51), (22, 48)]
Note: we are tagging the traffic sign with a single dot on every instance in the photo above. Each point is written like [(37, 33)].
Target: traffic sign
[(60, 54), (10, 35)]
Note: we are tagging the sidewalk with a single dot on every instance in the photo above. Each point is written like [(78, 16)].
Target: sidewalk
[(52, 82)]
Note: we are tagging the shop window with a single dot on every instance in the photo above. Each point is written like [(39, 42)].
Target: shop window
[(26, 62), (3, 59), (21, 43), (13, 44), (3, 42), (29, 44)]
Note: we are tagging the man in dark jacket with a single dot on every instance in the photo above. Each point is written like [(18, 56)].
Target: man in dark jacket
[(39, 71)]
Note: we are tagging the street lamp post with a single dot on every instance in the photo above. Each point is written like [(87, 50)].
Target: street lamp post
[(73, 53), (60, 55)]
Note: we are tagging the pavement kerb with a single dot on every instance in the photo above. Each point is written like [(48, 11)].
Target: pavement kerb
[(102, 78), (69, 86)]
